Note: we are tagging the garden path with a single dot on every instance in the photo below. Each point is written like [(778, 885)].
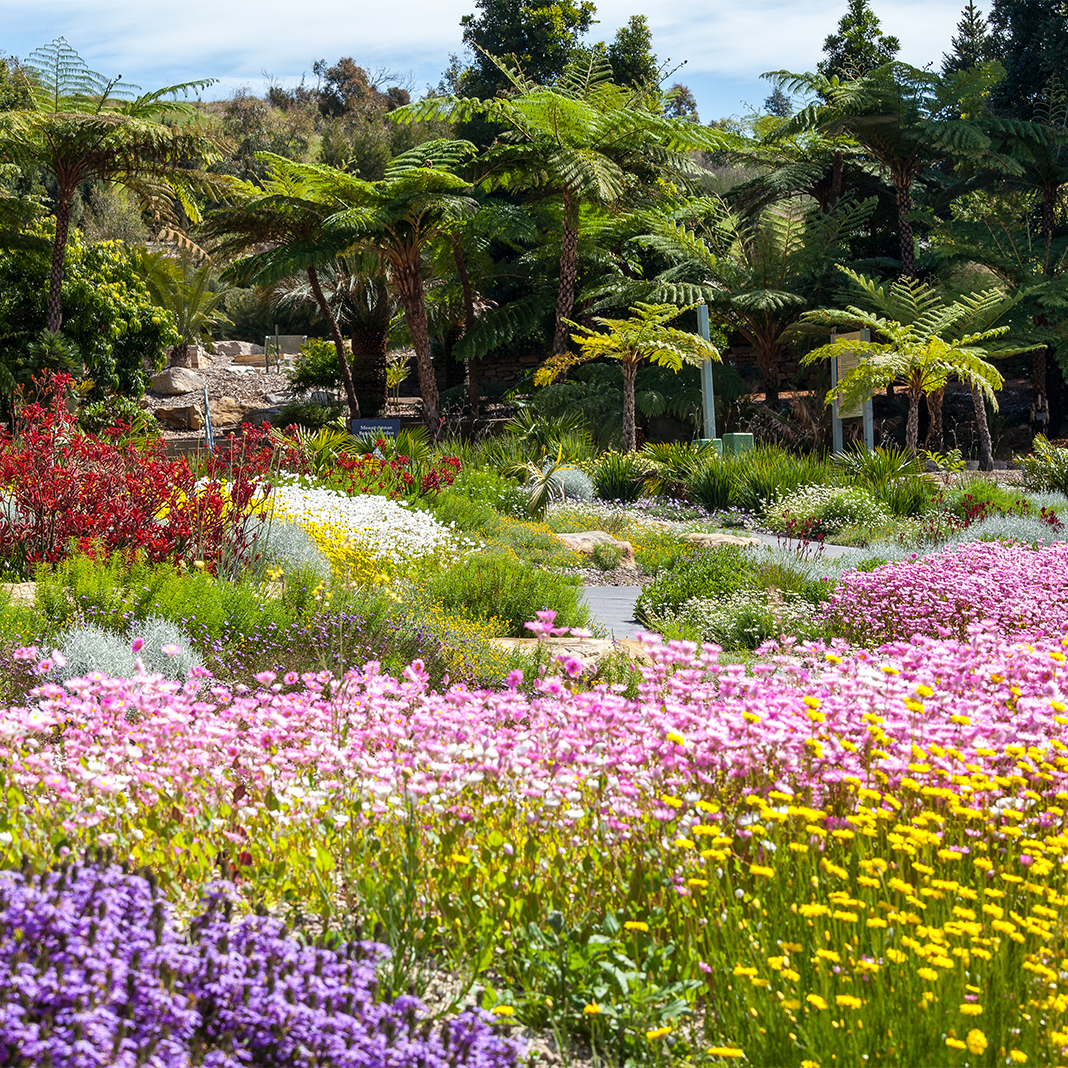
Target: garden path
[(613, 606), (829, 551)]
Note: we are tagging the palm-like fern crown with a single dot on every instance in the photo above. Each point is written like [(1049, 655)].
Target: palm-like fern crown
[(82, 126), (924, 340), (310, 214), (644, 335), (758, 268), (909, 118), (585, 135)]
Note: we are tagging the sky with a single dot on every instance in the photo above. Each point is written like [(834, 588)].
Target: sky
[(726, 44)]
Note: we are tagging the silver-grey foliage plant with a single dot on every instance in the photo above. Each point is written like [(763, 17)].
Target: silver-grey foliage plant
[(289, 546), (91, 648)]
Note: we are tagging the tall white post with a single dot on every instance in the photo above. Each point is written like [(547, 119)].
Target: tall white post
[(708, 400)]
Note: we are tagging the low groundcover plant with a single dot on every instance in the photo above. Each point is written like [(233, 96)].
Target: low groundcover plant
[(95, 972), (849, 854), (1021, 590)]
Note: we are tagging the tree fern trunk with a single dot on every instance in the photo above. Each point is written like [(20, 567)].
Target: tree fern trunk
[(369, 347), (768, 362), (54, 319), (630, 430), (934, 409), (565, 300), (1039, 378), (986, 451), (339, 341), (179, 356), (470, 376), (408, 278), (912, 426), (904, 228)]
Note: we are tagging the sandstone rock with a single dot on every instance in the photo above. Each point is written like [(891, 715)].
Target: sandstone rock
[(226, 411), (708, 541), (187, 417), (20, 592), (590, 652), (177, 380), (237, 348), (584, 542)]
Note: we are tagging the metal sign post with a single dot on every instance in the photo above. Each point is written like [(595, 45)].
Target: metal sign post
[(841, 366), (209, 430), (708, 400)]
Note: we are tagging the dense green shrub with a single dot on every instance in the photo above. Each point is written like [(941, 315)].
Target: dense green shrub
[(675, 462), (766, 474), (708, 573), (497, 584), (751, 480), (113, 591), (710, 482), (1046, 468), (619, 476)]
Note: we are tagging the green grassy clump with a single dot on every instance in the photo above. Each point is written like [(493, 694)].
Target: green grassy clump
[(114, 591), (707, 573), (499, 585)]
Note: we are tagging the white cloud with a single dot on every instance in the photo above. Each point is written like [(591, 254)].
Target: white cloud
[(726, 44)]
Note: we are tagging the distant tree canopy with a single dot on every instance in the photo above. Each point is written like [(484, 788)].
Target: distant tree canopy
[(541, 36), (972, 43), (631, 56), (1030, 38), (859, 46)]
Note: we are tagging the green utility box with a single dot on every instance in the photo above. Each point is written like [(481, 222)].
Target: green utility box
[(717, 444), (735, 444)]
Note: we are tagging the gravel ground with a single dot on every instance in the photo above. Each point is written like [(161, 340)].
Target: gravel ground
[(247, 387)]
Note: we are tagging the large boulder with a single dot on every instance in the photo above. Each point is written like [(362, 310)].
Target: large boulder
[(585, 541), (186, 417), (226, 411), (237, 348), (177, 380)]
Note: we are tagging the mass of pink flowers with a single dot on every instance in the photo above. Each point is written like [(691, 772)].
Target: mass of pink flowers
[(1021, 591), (916, 713)]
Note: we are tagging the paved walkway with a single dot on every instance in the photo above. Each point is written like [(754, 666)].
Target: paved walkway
[(829, 551), (613, 606)]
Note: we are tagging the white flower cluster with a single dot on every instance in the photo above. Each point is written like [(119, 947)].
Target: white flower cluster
[(832, 508), (385, 526), (748, 617)]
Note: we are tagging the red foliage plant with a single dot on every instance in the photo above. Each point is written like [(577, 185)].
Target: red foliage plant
[(63, 490)]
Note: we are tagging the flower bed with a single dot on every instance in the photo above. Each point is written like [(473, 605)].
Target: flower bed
[(112, 982), (850, 855), (365, 537), (1023, 591)]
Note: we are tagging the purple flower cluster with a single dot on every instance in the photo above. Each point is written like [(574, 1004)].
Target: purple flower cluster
[(1021, 591), (94, 973)]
